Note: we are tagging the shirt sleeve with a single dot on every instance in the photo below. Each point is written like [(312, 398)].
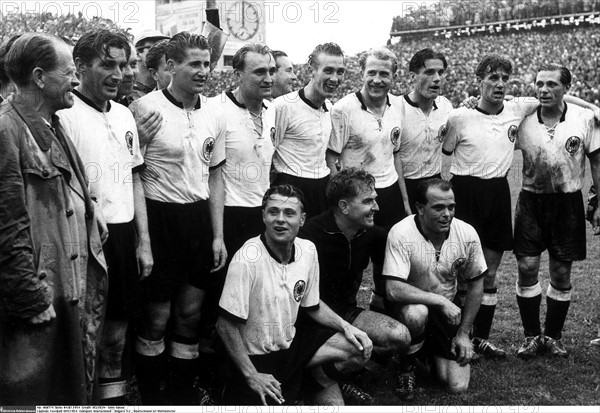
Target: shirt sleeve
[(592, 136), (475, 265), (220, 130), (280, 120), (340, 129), (311, 298), (138, 159), (235, 299), (450, 134), (396, 264)]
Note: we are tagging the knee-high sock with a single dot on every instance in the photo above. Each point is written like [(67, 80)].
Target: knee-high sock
[(557, 302), (150, 363), (183, 357), (485, 316), (112, 391), (529, 299)]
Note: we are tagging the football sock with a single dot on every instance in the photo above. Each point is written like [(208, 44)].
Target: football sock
[(150, 364), (557, 302), (183, 357), (483, 321), (112, 391), (529, 299)]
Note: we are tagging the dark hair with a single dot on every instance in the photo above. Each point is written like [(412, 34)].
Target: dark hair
[(178, 46), (239, 58), (277, 54), (3, 52), (565, 73), (289, 191), (156, 54), (332, 49), (491, 63), (419, 59), (97, 43), (380, 53), (347, 184), (29, 51), (423, 187)]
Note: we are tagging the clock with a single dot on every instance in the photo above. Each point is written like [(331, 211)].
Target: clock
[(243, 24)]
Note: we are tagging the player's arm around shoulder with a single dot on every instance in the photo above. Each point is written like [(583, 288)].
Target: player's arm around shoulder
[(148, 120)]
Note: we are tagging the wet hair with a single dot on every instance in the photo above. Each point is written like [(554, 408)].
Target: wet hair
[(178, 46), (332, 49), (97, 43), (347, 184), (565, 73), (156, 54), (491, 63), (27, 52), (380, 53), (418, 60), (289, 191), (423, 187), (239, 58)]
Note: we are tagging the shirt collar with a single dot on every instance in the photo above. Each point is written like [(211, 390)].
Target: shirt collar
[(231, 96), (418, 223), (177, 103), (272, 254), (477, 108), (414, 104), (562, 117), (363, 106), (89, 102), (309, 103)]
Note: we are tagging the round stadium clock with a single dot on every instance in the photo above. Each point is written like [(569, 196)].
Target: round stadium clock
[(243, 23)]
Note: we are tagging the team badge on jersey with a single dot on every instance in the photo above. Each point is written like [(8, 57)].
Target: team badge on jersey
[(512, 133), (457, 265), (395, 136), (208, 147), (273, 135), (299, 290), (573, 144), (442, 133), (129, 141)]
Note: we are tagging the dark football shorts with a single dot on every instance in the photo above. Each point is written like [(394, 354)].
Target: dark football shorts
[(553, 222), (391, 206), (485, 204), (411, 188), (181, 238), (313, 190)]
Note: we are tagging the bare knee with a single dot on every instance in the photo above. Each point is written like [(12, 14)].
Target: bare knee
[(457, 388), (397, 339), (414, 317)]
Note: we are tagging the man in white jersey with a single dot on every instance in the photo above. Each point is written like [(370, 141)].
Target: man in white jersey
[(366, 129), (424, 116), (105, 135), (285, 78), (549, 214), (303, 125), (183, 184), (272, 280), (427, 254)]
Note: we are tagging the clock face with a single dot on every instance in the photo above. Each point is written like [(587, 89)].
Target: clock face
[(243, 20)]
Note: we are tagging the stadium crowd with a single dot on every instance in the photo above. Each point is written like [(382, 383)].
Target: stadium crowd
[(231, 244)]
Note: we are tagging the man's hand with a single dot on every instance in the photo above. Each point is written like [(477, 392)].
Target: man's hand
[(266, 385), (596, 111), (148, 125), (219, 254), (462, 348), (45, 316), (470, 102), (359, 339), (596, 222), (145, 260), (102, 227), (451, 311)]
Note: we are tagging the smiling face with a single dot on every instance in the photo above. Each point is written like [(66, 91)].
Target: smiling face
[(129, 75), (493, 86), (283, 218), (100, 80), (60, 82), (377, 78), (190, 75), (256, 80), (437, 214), (428, 81), (328, 73), (285, 78), (161, 75), (360, 210), (550, 90)]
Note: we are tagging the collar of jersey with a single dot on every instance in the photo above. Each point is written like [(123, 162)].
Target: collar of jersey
[(89, 102), (231, 96), (177, 103), (272, 254), (309, 103), (330, 226), (477, 108), (362, 101), (414, 104), (421, 229), (539, 114)]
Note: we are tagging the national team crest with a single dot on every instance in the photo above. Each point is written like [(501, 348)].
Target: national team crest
[(208, 147), (395, 136), (573, 144), (442, 133), (299, 290), (129, 141), (457, 265), (273, 135), (512, 133)]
